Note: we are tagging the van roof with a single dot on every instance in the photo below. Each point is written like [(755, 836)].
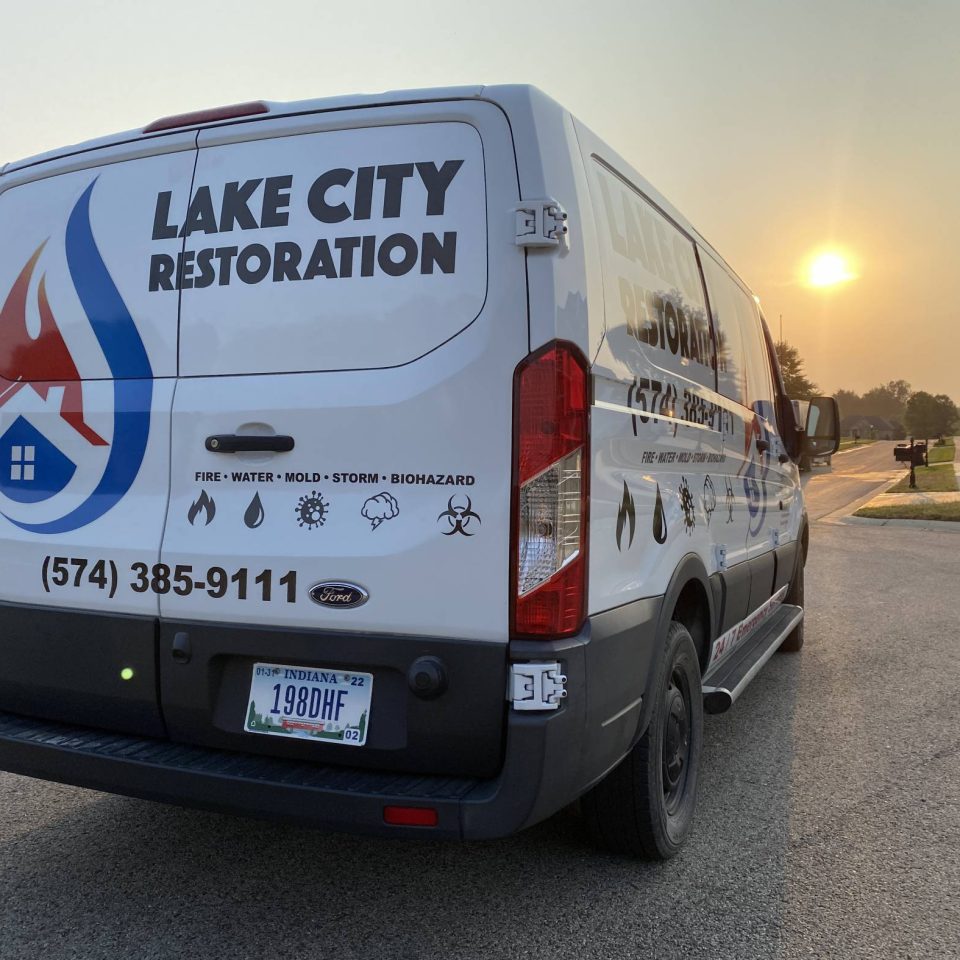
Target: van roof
[(506, 95), (274, 109)]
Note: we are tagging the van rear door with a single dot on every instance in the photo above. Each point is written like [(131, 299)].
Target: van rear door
[(353, 308), (87, 366)]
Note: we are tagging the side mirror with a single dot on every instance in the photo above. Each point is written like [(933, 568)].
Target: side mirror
[(822, 429)]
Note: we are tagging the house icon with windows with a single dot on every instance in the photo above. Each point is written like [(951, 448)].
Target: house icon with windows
[(31, 467)]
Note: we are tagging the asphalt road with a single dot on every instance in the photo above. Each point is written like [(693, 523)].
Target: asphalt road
[(854, 474), (828, 824)]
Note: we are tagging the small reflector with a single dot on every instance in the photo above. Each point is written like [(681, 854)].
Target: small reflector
[(410, 816), (208, 116)]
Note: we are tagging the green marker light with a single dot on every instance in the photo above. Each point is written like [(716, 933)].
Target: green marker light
[(126, 673)]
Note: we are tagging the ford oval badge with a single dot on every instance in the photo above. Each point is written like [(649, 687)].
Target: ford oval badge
[(332, 593)]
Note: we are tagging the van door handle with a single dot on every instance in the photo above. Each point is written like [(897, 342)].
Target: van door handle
[(235, 443)]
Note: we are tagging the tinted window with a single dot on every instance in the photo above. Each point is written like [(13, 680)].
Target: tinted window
[(743, 365), (650, 273), (759, 378), (731, 316)]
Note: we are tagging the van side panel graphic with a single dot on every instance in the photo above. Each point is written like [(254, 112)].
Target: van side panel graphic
[(123, 349)]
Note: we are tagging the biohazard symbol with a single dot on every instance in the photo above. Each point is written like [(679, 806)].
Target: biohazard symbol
[(458, 518)]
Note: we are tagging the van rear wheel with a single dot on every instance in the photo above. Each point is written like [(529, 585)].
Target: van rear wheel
[(795, 597), (644, 807)]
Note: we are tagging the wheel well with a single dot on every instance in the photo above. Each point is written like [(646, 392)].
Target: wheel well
[(693, 611), (805, 543)]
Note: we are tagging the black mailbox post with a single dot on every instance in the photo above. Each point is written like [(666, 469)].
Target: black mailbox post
[(912, 453)]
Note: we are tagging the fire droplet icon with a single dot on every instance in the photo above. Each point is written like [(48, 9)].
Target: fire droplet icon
[(254, 514)]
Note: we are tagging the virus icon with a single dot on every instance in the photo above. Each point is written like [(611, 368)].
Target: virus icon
[(686, 502), (731, 500), (312, 511)]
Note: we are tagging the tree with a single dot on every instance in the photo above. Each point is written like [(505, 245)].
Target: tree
[(850, 403), (795, 381), (931, 416), (887, 400), (899, 389)]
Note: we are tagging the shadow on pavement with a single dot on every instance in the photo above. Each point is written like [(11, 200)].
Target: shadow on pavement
[(117, 877)]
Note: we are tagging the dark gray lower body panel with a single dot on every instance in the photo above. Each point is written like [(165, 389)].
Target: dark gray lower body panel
[(549, 759)]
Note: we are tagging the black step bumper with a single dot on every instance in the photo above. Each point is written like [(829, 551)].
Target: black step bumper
[(550, 758)]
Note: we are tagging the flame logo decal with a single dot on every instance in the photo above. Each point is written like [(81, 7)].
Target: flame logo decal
[(203, 504), (126, 356), (626, 517)]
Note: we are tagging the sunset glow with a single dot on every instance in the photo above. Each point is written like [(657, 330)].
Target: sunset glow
[(829, 268)]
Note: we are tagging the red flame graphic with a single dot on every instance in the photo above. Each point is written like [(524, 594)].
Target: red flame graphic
[(41, 363)]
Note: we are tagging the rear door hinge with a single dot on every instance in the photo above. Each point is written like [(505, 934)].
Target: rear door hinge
[(536, 686), (540, 223)]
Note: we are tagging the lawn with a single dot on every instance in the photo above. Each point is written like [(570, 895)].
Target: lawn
[(938, 477), (913, 511), (944, 454)]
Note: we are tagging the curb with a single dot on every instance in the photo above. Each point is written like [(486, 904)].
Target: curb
[(844, 516), (934, 526), (865, 446)]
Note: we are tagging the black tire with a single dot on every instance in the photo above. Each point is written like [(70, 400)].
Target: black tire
[(794, 596), (645, 806)]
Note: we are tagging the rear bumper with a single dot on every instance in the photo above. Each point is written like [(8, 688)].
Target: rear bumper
[(549, 759)]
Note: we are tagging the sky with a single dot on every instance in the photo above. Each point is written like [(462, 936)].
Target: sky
[(778, 127)]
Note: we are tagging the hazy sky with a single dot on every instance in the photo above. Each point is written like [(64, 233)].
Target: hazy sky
[(778, 128)]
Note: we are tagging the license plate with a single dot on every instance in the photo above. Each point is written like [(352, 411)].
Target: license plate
[(309, 703)]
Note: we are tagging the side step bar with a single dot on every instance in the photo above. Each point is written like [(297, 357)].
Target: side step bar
[(726, 680)]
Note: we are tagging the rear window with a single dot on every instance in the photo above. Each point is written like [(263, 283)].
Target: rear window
[(335, 250)]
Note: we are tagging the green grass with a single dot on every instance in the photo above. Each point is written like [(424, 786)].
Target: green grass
[(913, 511), (936, 479), (944, 454), (847, 442)]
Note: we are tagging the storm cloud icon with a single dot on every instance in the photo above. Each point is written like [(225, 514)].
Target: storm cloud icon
[(382, 507)]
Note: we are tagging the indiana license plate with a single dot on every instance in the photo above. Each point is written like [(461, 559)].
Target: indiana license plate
[(309, 703)]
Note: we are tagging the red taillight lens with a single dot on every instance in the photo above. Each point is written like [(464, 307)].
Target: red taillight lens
[(551, 407), (410, 816), (550, 495)]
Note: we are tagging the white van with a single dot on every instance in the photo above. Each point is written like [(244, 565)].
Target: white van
[(400, 463)]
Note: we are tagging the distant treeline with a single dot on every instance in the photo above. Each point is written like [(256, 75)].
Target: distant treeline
[(894, 409)]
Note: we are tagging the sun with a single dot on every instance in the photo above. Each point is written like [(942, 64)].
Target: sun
[(829, 268)]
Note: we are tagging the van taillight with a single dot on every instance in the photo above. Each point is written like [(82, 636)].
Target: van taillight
[(551, 470)]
